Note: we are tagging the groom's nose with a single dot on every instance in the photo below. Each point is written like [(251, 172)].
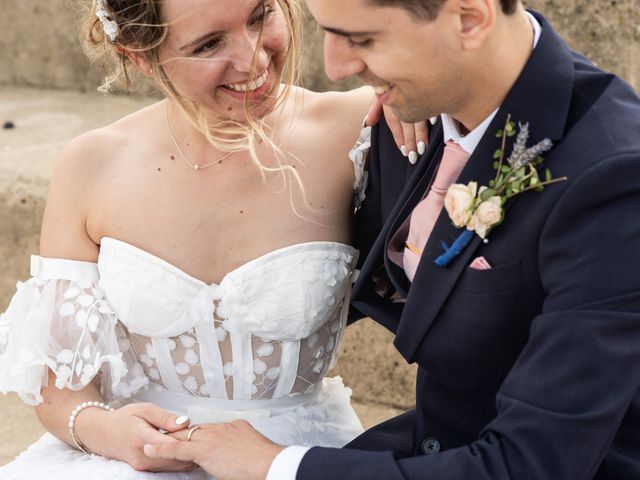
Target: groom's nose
[(340, 61)]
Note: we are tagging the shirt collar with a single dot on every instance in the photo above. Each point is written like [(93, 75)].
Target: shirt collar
[(470, 141)]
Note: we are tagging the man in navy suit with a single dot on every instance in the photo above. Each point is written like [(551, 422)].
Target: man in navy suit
[(528, 346)]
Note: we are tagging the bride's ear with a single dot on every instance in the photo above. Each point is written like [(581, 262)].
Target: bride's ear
[(140, 60)]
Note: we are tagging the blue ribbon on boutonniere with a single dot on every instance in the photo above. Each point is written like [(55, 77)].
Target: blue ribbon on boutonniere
[(456, 248), (479, 210)]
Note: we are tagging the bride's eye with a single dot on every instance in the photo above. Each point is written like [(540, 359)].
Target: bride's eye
[(207, 47), (262, 15)]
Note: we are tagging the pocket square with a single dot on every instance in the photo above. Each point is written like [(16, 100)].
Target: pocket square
[(480, 263)]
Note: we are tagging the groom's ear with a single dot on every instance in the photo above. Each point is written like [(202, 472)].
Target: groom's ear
[(477, 19)]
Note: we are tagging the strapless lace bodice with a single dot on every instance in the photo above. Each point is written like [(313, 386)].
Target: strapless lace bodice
[(269, 329)]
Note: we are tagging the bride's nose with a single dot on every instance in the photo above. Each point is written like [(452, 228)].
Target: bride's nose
[(243, 54)]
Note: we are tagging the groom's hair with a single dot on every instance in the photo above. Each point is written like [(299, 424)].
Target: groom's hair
[(429, 9)]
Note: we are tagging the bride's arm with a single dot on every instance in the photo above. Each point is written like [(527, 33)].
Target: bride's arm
[(77, 181)]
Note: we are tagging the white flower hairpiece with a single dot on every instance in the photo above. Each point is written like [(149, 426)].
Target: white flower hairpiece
[(110, 27)]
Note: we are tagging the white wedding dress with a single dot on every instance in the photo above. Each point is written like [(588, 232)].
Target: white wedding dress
[(256, 346)]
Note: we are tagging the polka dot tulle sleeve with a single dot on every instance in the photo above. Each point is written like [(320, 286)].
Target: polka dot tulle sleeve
[(66, 326)]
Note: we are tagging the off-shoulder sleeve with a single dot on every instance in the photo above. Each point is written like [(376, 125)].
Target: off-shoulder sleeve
[(60, 320), (358, 155)]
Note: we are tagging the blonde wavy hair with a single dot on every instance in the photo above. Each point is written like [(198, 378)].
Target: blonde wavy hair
[(141, 31)]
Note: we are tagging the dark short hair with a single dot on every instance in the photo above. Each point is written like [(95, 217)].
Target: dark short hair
[(429, 9)]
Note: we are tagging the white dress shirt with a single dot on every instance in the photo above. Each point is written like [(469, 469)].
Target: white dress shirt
[(285, 465)]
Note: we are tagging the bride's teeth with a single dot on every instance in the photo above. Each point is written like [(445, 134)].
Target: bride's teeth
[(249, 86), (379, 90)]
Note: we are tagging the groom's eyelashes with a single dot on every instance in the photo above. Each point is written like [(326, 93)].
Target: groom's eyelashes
[(358, 43)]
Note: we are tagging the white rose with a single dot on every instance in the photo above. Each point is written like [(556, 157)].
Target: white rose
[(459, 202), (486, 215)]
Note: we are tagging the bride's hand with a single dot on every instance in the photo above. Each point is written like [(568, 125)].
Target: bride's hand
[(412, 138), (125, 431), (227, 451)]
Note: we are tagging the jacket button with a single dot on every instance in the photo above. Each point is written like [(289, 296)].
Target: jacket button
[(430, 446)]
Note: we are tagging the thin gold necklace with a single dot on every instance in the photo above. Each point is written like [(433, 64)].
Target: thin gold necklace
[(195, 166)]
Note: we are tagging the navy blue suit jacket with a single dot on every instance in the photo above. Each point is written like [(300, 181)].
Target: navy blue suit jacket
[(530, 370)]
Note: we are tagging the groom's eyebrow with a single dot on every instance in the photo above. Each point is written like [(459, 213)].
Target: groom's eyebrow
[(347, 33)]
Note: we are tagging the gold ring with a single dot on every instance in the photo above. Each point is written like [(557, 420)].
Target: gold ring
[(191, 430)]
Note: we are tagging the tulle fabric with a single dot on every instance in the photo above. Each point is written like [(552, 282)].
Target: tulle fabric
[(64, 324), (328, 421)]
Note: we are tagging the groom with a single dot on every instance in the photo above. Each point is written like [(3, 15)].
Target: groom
[(528, 345)]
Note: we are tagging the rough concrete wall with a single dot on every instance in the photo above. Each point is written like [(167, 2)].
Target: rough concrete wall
[(39, 46), (607, 31)]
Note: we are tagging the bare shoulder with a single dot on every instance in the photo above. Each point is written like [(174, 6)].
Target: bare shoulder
[(348, 107), (333, 120), (80, 174)]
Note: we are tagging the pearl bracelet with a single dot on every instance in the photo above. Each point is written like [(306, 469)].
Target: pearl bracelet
[(72, 422)]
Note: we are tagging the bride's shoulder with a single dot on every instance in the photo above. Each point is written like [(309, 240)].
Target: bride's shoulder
[(95, 151), (335, 118), (350, 106)]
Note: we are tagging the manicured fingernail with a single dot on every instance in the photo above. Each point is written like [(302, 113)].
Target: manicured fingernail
[(182, 420), (403, 149), (422, 147), (413, 157), (146, 448)]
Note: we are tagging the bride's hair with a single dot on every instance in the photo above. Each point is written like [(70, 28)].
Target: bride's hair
[(111, 28)]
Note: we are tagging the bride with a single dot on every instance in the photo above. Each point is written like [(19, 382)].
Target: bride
[(195, 265)]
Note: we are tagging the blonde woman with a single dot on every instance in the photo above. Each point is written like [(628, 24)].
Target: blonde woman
[(195, 264)]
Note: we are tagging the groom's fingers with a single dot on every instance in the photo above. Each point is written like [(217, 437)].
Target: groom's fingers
[(177, 450)]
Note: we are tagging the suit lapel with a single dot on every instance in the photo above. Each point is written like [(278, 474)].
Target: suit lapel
[(540, 96), (411, 194)]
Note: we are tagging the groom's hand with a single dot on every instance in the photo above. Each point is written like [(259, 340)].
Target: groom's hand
[(227, 451)]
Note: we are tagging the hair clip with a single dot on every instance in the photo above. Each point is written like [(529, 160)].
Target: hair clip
[(110, 27)]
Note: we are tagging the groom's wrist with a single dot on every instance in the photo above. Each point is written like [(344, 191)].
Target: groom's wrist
[(285, 465)]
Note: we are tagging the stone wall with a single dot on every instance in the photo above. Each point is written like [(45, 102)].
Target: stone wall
[(39, 45)]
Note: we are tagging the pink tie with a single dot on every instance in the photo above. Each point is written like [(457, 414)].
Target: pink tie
[(424, 216)]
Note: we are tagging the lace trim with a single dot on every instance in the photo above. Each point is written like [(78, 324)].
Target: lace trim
[(358, 155)]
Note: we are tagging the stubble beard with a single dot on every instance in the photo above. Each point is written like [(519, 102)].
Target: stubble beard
[(417, 109)]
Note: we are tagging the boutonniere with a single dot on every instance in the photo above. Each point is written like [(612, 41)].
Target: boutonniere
[(480, 210)]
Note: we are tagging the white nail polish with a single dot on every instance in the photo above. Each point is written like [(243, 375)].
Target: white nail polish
[(413, 157), (182, 420), (422, 147), (403, 149)]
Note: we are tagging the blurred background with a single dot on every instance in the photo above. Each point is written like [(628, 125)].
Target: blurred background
[(48, 96)]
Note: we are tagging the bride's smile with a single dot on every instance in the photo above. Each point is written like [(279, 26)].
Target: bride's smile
[(220, 61)]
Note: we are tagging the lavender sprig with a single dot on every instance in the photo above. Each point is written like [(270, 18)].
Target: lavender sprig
[(521, 155)]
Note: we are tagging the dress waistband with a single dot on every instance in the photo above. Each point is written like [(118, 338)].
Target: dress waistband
[(214, 410)]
